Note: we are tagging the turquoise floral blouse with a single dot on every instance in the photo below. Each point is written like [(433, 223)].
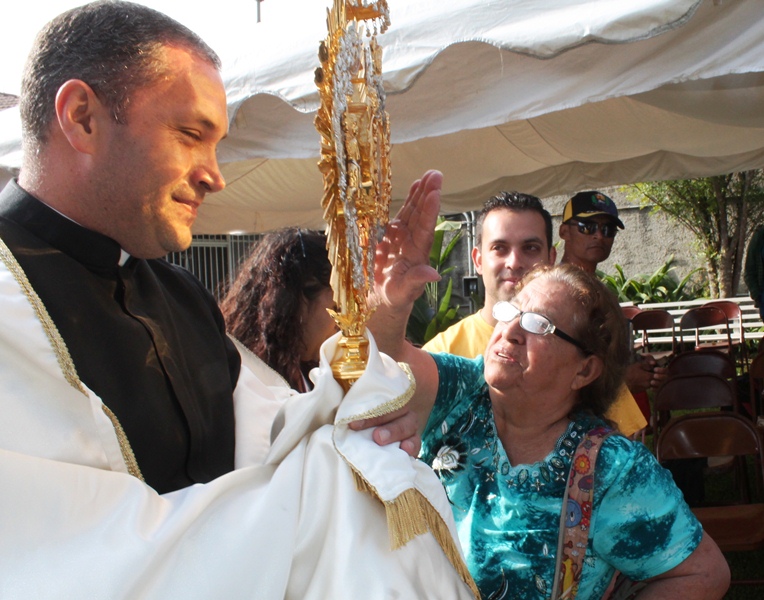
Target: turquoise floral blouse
[(508, 516)]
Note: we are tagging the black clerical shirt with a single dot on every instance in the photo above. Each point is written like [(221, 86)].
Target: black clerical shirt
[(146, 337)]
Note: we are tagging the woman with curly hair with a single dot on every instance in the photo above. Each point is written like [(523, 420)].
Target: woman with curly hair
[(277, 304)]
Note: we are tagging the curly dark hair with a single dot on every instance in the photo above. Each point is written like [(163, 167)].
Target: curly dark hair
[(262, 307), (598, 324), (113, 46)]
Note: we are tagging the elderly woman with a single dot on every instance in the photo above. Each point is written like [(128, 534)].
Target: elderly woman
[(501, 431)]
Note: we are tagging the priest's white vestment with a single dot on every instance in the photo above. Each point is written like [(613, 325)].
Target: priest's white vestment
[(288, 522)]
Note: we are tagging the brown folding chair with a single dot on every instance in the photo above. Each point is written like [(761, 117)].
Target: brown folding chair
[(691, 392), (629, 311), (737, 338), (700, 362), (756, 384), (734, 527), (705, 317), (652, 320)]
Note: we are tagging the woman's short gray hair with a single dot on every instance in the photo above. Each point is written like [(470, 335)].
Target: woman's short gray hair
[(598, 324)]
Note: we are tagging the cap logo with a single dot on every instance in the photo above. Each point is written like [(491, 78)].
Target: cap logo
[(601, 202)]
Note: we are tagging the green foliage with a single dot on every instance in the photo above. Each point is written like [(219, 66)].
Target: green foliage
[(439, 256), (658, 287), (433, 312), (721, 212)]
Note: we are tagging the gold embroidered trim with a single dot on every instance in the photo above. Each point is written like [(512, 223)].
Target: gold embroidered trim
[(62, 352), (388, 407), (410, 515), (124, 445), (51, 331)]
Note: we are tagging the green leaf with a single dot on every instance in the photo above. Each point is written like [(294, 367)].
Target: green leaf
[(657, 287), (437, 245), (450, 247), (445, 301)]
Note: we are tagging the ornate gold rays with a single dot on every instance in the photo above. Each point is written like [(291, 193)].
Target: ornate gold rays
[(355, 150)]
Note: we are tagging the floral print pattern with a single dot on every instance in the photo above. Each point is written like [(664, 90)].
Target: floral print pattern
[(508, 516)]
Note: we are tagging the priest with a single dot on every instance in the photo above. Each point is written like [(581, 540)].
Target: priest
[(136, 449)]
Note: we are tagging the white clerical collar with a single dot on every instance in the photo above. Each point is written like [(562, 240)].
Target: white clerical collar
[(123, 256)]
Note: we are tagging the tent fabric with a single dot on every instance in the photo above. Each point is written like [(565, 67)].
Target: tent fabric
[(543, 97)]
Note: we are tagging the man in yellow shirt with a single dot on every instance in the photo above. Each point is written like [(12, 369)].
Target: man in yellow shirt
[(514, 234)]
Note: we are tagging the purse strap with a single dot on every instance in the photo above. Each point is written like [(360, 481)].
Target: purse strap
[(576, 514)]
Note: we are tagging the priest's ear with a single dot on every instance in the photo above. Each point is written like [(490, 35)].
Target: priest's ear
[(78, 111)]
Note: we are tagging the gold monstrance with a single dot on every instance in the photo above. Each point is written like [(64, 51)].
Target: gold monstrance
[(355, 149)]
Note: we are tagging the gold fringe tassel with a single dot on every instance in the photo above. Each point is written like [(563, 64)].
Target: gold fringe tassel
[(410, 515), (406, 518), (361, 484)]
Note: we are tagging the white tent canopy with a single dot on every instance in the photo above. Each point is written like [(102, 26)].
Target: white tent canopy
[(539, 96)]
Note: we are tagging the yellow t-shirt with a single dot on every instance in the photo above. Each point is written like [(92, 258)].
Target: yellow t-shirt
[(469, 338)]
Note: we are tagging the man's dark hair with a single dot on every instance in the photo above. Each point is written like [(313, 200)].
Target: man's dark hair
[(517, 202), (112, 46)]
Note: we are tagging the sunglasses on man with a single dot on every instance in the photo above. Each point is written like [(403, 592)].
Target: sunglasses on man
[(607, 230)]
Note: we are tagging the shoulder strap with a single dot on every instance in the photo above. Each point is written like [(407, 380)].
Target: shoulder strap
[(575, 515)]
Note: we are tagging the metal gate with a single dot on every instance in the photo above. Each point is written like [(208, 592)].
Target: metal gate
[(214, 259)]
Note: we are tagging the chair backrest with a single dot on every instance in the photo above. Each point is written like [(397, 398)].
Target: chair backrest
[(700, 362), (705, 316), (736, 330), (657, 318), (702, 435), (630, 311), (686, 392), (757, 367), (756, 383), (733, 313), (735, 524)]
